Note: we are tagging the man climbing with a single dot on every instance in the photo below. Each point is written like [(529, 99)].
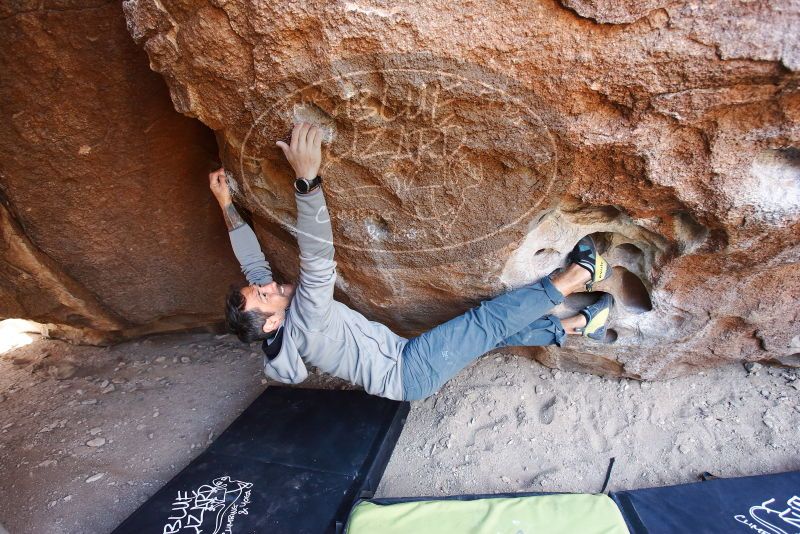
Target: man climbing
[(303, 324)]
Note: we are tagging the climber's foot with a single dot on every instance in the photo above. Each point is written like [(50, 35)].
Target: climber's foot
[(596, 318), (585, 255)]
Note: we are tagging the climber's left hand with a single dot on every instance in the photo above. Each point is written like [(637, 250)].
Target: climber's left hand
[(304, 153)]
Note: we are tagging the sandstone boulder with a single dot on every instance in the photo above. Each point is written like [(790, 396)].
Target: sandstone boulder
[(669, 130)]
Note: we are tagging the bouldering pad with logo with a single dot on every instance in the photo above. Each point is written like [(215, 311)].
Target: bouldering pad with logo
[(767, 504), (294, 461), (764, 504)]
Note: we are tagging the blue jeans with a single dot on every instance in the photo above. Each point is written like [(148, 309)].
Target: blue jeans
[(436, 356)]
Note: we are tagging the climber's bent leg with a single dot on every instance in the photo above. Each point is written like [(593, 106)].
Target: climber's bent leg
[(433, 358), (545, 331)]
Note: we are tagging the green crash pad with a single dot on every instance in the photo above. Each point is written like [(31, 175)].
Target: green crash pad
[(540, 514)]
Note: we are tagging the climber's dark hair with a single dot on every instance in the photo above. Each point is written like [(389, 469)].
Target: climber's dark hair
[(247, 325)]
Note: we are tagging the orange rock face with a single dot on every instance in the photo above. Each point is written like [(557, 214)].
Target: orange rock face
[(668, 130), (468, 147), (108, 229)]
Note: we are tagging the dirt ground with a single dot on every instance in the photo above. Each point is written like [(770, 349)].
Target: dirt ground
[(87, 434)]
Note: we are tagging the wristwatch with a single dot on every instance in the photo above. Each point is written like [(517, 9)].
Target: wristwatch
[(302, 186)]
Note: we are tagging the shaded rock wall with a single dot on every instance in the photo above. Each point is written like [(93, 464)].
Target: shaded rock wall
[(470, 145), (108, 229)]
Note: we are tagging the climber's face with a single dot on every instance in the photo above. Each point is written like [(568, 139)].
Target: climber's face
[(270, 299)]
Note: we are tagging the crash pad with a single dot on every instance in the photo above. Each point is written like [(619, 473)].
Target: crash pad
[(294, 461), (542, 514)]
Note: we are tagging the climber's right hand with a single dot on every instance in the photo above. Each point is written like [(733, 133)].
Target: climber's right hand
[(218, 183)]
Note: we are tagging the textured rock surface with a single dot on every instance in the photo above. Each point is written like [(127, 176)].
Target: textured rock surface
[(107, 226), (457, 172)]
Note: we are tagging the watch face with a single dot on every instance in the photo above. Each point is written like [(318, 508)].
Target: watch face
[(301, 185)]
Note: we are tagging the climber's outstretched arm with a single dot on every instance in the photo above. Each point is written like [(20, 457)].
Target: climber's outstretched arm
[(243, 240), (314, 296)]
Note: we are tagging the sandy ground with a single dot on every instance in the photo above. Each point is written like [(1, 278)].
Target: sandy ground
[(87, 434)]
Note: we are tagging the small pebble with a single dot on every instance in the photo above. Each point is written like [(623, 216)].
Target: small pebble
[(94, 478), (96, 442), (752, 367)]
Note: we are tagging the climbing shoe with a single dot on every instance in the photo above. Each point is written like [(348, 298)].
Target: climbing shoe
[(596, 318), (585, 254)]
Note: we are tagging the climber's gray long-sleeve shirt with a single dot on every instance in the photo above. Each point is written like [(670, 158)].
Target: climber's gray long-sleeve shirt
[(319, 330)]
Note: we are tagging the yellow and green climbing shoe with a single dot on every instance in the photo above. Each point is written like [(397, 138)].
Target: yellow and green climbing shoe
[(597, 317), (585, 254)]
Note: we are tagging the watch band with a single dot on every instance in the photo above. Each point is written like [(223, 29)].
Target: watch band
[(303, 186)]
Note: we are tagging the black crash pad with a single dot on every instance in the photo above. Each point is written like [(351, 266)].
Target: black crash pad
[(766, 504), (295, 461)]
